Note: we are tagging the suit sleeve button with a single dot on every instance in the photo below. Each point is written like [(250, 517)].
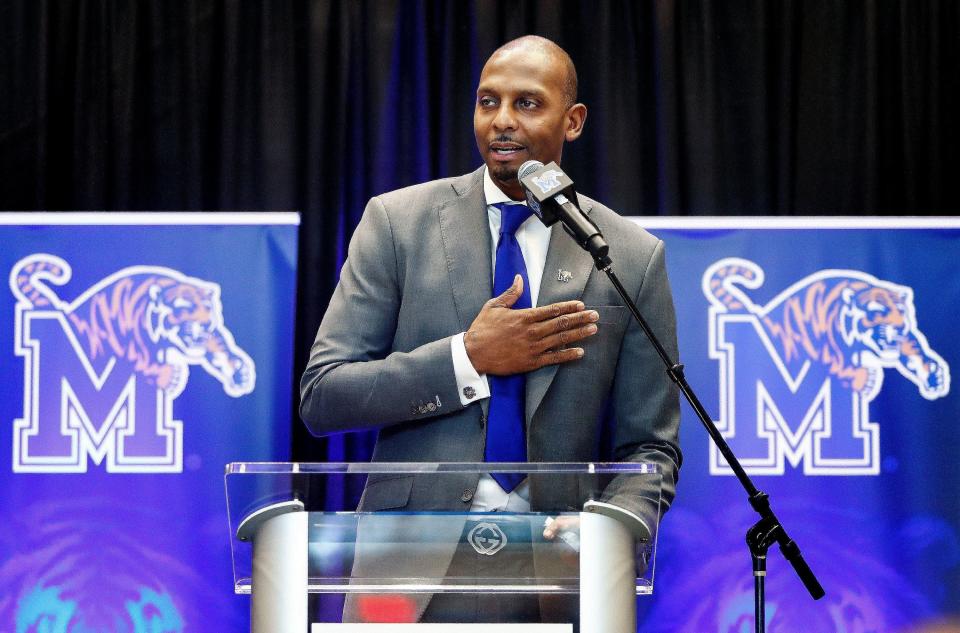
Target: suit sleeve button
[(466, 496)]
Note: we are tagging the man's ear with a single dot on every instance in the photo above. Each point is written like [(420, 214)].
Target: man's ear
[(576, 117)]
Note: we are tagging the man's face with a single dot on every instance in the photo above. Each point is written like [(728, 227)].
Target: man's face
[(522, 114)]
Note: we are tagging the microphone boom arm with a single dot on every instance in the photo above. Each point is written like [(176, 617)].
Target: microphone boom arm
[(768, 530), (546, 188)]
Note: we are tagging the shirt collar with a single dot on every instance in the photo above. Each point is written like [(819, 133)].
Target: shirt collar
[(492, 192)]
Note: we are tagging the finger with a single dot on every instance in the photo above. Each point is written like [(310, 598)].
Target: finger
[(549, 528), (554, 310), (566, 337), (511, 294), (566, 322), (557, 356)]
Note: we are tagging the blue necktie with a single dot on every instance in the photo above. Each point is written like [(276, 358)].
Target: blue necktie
[(506, 439)]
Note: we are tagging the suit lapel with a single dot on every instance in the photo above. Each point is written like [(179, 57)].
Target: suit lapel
[(563, 254), (466, 245)]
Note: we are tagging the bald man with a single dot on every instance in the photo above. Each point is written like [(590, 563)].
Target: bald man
[(416, 343)]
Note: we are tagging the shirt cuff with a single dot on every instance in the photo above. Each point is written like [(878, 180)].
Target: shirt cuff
[(470, 385)]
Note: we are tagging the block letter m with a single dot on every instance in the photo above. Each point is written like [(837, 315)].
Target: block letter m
[(771, 415), (72, 411)]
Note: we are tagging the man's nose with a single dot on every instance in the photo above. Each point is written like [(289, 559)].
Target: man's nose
[(504, 120)]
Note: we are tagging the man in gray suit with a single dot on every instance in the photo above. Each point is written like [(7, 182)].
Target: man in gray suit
[(412, 336)]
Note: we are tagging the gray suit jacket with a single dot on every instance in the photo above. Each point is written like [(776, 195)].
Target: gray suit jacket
[(418, 272)]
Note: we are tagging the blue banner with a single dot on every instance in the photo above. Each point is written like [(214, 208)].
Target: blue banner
[(823, 349), (139, 353)]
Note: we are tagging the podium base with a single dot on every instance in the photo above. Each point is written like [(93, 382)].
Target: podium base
[(440, 628)]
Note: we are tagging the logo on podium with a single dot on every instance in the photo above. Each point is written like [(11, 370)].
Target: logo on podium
[(487, 538)]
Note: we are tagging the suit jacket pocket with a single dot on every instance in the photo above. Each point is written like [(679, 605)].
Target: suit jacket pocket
[(601, 349), (609, 315), (385, 492)]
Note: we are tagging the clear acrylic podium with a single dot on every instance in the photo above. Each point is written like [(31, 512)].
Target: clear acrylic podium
[(297, 532)]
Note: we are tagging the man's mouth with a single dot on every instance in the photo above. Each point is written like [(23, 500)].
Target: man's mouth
[(504, 150)]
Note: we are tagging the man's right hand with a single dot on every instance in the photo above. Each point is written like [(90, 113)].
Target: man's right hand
[(503, 341)]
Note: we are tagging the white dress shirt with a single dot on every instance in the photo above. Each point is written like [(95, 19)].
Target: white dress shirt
[(534, 240)]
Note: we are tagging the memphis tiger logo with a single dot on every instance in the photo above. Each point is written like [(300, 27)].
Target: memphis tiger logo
[(797, 375), (101, 372)]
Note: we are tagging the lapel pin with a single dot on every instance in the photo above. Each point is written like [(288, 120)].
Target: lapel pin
[(564, 275)]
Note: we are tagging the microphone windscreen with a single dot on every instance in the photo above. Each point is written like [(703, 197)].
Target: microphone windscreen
[(528, 168)]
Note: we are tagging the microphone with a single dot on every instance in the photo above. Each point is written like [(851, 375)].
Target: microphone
[(547, 189)]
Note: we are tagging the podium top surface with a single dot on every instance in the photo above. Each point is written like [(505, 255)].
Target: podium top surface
[(360, 468)]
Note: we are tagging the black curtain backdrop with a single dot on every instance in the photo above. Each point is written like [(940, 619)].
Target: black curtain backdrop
[(756, 107)]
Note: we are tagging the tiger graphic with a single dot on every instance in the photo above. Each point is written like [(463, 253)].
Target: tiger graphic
[(156, 319), (846, 320), (82, 562)]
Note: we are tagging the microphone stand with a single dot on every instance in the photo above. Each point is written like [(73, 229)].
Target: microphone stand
[(768, 530)]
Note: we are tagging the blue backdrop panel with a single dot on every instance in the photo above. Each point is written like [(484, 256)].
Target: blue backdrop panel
[(824, 353), (139, 353)]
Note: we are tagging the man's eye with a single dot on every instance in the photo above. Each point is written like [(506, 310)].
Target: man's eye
[(487, 102), (526, 104)]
